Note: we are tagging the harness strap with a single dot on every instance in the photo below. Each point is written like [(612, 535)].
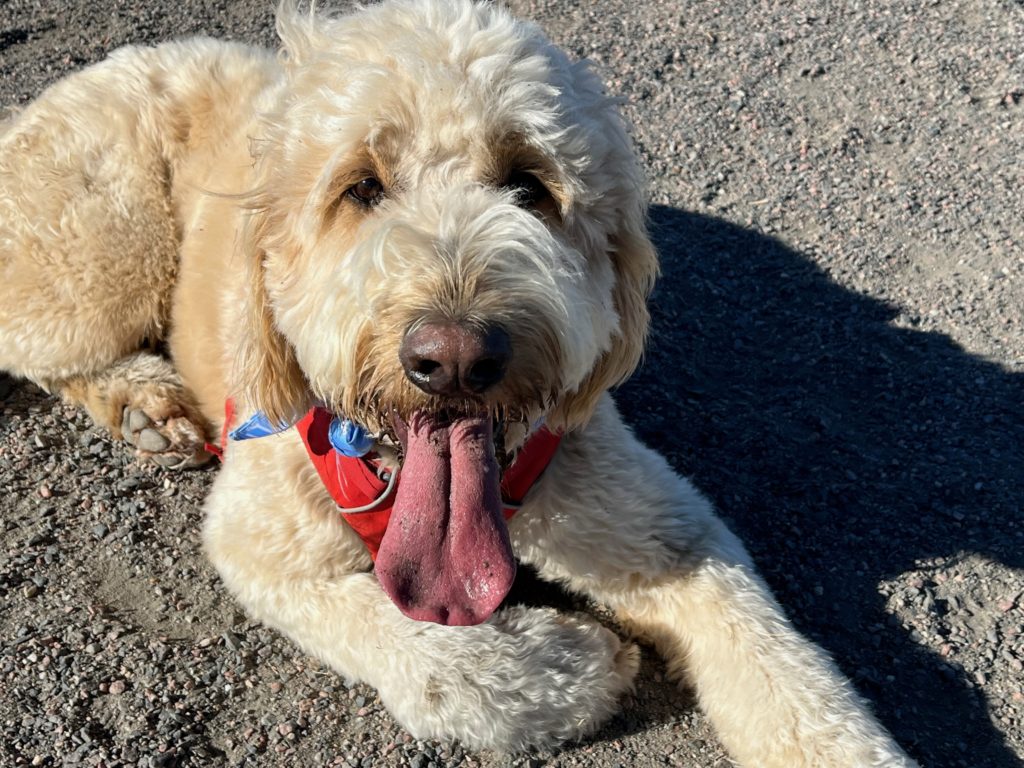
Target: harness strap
[(365, 493)]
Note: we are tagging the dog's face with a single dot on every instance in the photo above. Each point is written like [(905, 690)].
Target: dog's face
[(442, 165), (449, 242)]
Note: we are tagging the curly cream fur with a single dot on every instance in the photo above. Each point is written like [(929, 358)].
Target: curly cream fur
[(206, 206)]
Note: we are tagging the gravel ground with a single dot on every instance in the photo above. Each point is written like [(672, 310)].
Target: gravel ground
[(837, 359)]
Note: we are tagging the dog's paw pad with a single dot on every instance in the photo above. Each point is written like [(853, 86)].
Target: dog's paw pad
[(177, 461), (134, 421), (152, 441), (175, 443)]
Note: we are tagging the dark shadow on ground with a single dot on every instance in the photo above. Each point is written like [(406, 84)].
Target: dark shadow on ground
[(6, 387), (841, 449)]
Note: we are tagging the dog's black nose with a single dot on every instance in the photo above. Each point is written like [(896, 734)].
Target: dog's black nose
[(449, 358)]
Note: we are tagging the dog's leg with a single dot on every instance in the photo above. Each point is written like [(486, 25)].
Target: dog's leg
[(89, 238), (525, 677), (615, 522)]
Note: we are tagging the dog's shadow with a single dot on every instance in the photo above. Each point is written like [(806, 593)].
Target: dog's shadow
[(843, 449)]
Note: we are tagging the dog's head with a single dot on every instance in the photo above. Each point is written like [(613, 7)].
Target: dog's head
[(449, 231)]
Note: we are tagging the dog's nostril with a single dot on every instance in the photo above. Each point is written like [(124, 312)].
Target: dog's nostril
[(433, 376), (484, 374), (426, 367)]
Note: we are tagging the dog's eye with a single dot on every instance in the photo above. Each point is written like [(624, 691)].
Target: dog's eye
[(368, 191), (529, 190)]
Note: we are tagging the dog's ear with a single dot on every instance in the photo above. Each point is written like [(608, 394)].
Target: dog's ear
[(636, 267), (267, 375)]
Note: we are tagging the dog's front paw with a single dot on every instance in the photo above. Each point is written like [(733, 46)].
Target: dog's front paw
[(175, 442), (526, 678)]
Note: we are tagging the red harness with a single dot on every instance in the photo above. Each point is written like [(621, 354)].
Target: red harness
[(365, 495)]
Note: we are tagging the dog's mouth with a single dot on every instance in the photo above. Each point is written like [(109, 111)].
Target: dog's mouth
[(508, 430), (446, 555)]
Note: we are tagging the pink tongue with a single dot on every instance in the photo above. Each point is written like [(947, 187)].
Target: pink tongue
[(445, 556)]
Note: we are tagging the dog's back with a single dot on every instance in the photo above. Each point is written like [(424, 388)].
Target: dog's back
[(103, 179)]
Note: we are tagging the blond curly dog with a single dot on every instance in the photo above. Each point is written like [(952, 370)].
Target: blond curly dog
[(423, 217)]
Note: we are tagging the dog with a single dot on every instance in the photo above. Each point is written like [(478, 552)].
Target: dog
[(390, 275)]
